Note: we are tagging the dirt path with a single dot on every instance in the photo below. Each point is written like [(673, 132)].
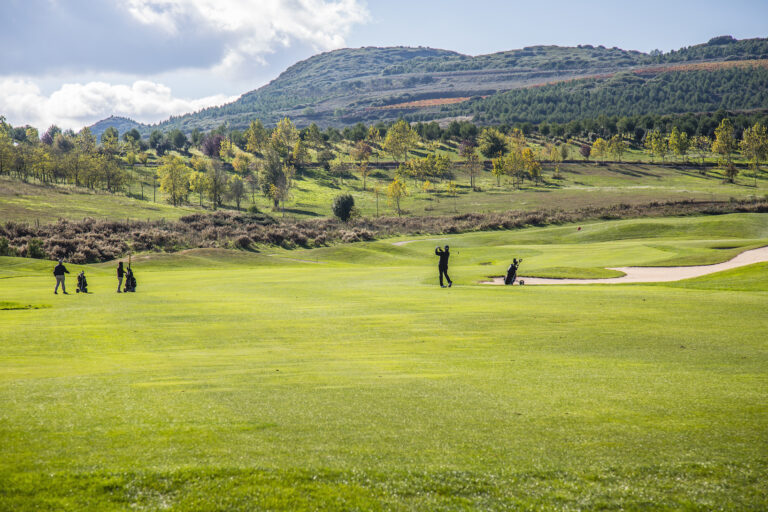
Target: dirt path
[(654, 274)]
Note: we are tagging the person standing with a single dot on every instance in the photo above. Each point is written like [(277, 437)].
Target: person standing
[(442, 266), (59, 271), (120, 275)]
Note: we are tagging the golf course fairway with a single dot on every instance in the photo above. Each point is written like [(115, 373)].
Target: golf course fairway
[(344, 378)]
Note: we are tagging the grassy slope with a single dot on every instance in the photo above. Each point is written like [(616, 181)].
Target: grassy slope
[(27, 202), (584, 184), (236, 380)]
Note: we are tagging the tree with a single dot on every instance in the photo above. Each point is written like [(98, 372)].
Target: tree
[(679, 142), (6, 151), (226, 149), (362, 153), (600, 149), (342, 206), (656, 144), (212, 145), (531, 164), (178, 140), (725, 146), (50, 134), (324, 158), (314, 137), (236, 190), (196, 137), (499, 169), (256, 137), (555, 156), (399, 140), (701, 144), (271, 176), (300, 155), (396, 191), (467, 150), (284, 137), (174, 179), (492, 143), (241, 164), (754, 146), (585, 150), (217, 183), (109, 141), (198, 183), (132, 138), (617, 147), (155, 139)]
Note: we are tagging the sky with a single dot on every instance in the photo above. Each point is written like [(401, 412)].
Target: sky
[(74, 62)]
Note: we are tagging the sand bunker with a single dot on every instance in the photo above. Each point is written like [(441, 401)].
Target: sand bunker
[(654, 274)]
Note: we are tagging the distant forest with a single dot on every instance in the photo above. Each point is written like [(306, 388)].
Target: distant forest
[(624, 94)]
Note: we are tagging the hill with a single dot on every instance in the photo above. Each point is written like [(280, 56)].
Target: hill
[(343, 87)]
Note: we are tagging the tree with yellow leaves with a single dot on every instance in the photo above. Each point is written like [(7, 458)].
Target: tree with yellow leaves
[(396, 191), (725, 146), (754, 146)]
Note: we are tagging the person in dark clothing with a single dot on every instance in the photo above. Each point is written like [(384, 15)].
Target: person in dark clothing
[(442, 266), (59, 272), (120, 274), (82, 283), (512, 271)]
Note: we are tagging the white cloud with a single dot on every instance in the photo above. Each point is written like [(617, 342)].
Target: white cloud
[(253, 28), (77, 105)]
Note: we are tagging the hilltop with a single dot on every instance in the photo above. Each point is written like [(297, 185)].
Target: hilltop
[(343, 87)]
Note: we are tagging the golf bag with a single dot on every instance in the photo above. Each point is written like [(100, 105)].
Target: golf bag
[(82, 283), (130, 281), (512, 272)]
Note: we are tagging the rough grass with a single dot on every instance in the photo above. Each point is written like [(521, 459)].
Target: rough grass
[(244, 381), (91, 241)]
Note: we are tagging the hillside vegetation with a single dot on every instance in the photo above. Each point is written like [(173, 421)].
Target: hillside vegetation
[(624, 94), (343, 87)]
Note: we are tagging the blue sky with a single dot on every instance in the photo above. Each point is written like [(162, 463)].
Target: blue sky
[(73, 62)]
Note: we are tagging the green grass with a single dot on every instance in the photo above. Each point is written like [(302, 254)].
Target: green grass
[(583, 185), (29, 203), (235, 380)]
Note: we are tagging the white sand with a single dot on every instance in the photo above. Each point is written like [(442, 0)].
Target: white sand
[(654, 274)]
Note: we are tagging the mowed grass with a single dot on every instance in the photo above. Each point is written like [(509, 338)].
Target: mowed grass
[(261, 381)]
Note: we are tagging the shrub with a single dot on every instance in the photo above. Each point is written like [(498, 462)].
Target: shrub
[(342, 206), (5, 247), (243, 242), (35, 249)]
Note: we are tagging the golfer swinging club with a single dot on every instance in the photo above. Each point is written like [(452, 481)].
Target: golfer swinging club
[(442, 266)]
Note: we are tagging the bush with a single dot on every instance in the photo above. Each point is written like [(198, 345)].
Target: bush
[(35, 249), (5, 247), (342, 206)]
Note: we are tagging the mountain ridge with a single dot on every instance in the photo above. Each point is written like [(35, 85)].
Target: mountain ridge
[(345, 86)]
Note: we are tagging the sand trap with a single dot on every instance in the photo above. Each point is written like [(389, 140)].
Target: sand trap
[(654, 274)]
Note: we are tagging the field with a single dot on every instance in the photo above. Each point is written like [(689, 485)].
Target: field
[(344, 378), (582, 184)]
